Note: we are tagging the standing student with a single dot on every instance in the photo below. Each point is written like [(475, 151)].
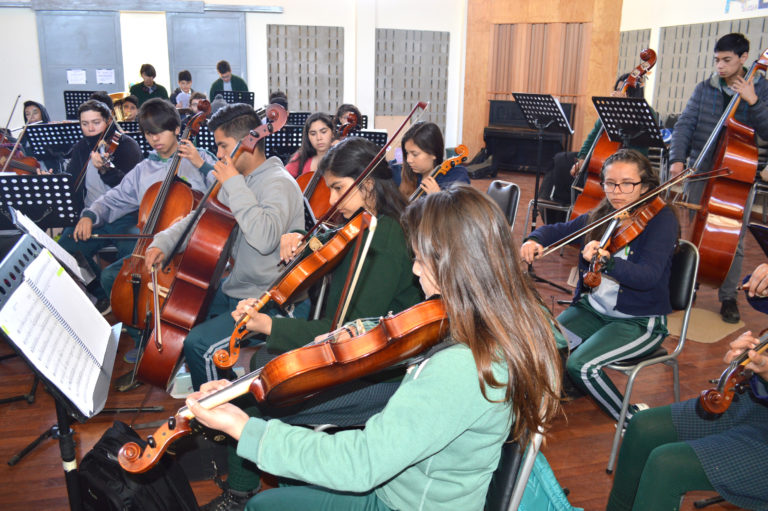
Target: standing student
[(698, 120), (266, 202), (316, 139), (437, 442), (147, 88), (625, 316), (98, 179), (182, 95), (423, 150), (160, 123), (385, 285), (226, 81)]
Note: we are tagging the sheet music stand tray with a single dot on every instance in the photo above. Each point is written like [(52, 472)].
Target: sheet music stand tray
[(629, 121), (15, 262), (543, 113), (47, 199), (53, 140)]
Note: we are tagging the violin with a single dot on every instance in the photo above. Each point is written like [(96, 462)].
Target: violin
[(199, 270), (442, 169), (621, 231), (717, 225), (163, 204), (592, 193), (314, 189), (734, 379), (14, 160), (344, 355), (297, 277)]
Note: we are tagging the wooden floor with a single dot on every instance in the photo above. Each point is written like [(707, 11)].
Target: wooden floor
[(577, 449)]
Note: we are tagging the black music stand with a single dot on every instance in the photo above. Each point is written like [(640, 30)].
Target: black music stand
[(543, 113), (235, 96), (72, 101), (72, 395), (378, 137), (629, 121), (52, 141), (47, 199)]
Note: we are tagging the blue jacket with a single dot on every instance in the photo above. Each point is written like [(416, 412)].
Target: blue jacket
[(457, 174), (644, 276), (702, 112)]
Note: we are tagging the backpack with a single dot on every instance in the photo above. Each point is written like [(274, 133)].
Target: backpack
[(105, 486)]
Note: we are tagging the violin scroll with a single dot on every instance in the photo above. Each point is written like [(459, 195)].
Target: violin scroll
[(135, 459)]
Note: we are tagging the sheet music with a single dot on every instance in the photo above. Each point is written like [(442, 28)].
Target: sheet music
[(58, 329), (27, 225)]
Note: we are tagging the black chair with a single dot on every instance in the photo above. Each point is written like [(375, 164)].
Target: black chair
[(682, 285), (507, 196), (511, 477)]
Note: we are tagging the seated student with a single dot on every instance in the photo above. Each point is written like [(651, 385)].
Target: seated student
[(671, 450), (129, 106), (385, 285), (160, 123), (279, 97), (625, 316), (35, 113), (194, 99), (423, 150), (98, 179), (316, 139), (147, 88), (266, 202), (342, 115), (226, 81), (184, 89), (437, 442)]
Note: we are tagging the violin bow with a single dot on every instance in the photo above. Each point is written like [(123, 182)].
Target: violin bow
[(7, 124)]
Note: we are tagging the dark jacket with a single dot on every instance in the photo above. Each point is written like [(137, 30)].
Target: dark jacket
[(237, 84), (644, 276), (143, 94)]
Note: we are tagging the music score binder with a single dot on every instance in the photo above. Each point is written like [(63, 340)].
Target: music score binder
[(53, 326)]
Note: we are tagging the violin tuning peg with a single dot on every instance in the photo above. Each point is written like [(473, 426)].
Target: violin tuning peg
[(172, 423), (151, 441)]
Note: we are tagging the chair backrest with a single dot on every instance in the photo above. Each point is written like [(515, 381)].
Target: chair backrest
[(682, 280), (507, 196), (511, 476)]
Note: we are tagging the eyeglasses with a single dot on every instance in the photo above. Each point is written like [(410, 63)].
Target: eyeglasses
[(621, 187)]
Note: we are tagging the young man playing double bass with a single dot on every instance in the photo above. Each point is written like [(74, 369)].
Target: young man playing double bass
[(698, 120), (266, 202)]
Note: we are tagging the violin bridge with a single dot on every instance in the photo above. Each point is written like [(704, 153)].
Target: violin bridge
[(315, 244), (163, 291)]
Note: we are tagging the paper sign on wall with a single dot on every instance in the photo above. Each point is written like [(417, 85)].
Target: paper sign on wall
[(105, 76), (76, 77)]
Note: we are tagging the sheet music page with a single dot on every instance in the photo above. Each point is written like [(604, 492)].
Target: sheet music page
[(562, 112), (54, 323), (31, 228)]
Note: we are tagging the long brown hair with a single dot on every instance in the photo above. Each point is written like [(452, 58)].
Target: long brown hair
[(464, 238)]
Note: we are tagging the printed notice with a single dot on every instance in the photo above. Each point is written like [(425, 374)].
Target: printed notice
[(105, 76), (76, 77)]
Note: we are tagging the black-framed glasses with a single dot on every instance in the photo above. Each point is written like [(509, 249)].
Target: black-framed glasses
[(621, 187)]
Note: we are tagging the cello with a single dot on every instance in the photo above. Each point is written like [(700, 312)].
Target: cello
[(340, 357), (199, 270), (592, 193), (313, 188), (164, 204), (718, 223)]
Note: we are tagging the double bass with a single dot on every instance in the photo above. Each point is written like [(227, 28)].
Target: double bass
[(718, 223), (200, 269), (164, 204), (592, 193)]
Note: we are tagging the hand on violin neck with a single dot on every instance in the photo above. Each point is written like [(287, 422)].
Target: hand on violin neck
[(745, 88), (224, 169), (188, 151), (746, 342), (429, 185), (153, 257), (97, 160), (593, 248), (226, 417)]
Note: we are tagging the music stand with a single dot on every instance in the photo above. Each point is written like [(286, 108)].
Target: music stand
[(629, 121), (74, 372), (235, 96), (543, 113), (47, 199)]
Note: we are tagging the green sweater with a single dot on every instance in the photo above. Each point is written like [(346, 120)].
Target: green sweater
[(434, 446), (386, 284), (238, 84), (138, 90)]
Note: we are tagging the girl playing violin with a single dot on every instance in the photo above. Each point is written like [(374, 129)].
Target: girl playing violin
[(423, 150), (625, 316), (415, 454), (316, 139)]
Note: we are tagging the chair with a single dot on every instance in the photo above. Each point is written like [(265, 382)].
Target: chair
[(507, 196), (682, 284), (511, 477)]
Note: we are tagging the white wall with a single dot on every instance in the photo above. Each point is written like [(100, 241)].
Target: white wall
[(144, 39), (21, 63), (654, 14)]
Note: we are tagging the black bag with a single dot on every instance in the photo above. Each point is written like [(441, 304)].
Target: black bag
[(105, 486)]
